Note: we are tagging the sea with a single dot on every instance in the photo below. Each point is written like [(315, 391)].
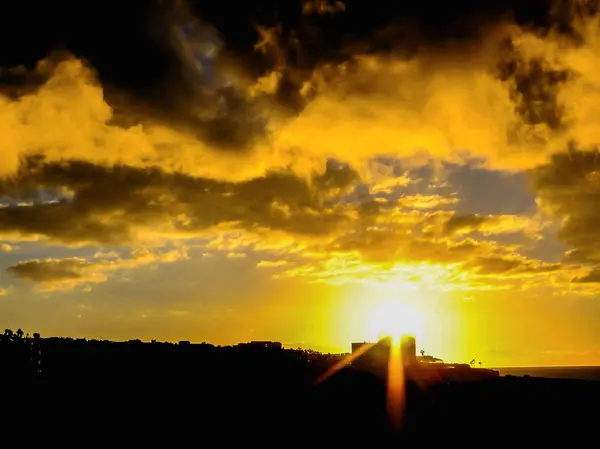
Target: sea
[(554, 372)]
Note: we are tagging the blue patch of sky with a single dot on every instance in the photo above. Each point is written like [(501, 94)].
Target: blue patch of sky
[(493, 192), (490, 192), (36, 196), (422, 181), (202, 46), (478, 191)]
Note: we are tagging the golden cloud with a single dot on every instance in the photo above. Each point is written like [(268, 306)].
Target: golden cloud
[(426, 201), (67, 118), (275, 150), (511, 99), (378, 254), (489, 224)]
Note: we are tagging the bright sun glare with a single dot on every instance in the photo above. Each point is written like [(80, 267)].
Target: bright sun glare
[(395, 319)]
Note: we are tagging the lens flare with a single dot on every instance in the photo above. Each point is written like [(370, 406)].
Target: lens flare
[(395, 319)]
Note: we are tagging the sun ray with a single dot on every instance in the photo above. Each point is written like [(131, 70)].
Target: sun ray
[(396, 394), (343, 363)]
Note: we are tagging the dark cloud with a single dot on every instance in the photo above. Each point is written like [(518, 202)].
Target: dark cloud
[(535, 88), (119, 81), (569, 188), (458, 223), (69, 273), (154, 60), (77, 202), (50, 270), (511, 265), (592, 278), (188, 63), (487, 224)]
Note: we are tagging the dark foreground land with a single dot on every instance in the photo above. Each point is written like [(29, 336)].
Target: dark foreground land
[(91, 393)]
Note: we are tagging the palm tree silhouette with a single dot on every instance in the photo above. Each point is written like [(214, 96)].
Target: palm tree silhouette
[(422, 351), (480, 364)]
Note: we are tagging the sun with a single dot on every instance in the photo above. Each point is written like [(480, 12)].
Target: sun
[(395, 319)]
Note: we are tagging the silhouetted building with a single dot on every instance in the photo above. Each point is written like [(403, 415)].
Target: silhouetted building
[(408, 348), (372, 357), (358, 345)]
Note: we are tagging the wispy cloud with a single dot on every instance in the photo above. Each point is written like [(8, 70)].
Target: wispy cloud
[(70, 273)]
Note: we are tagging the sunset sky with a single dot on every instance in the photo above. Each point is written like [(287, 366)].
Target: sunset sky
[(226, 171)]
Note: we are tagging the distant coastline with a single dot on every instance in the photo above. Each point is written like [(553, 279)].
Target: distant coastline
[(554, 372)]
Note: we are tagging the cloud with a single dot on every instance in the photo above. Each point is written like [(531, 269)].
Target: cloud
[(508, 265), (97, 204), (322, 7), (68, 117), (490, 224), (3, 292), (106, 255), (434, 265), (54, 271), (510, 99), (310, 223), (189, 123), (592, 278), (236, 255), (392, 242), (389, 184), (420, 201), (5, 247), (271, 264), (394, 83), (568, 188), (70, 273)]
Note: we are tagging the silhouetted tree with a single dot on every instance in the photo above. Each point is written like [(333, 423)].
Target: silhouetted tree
[(480, 364), (422, 352), (19, 334), (472, 362)]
